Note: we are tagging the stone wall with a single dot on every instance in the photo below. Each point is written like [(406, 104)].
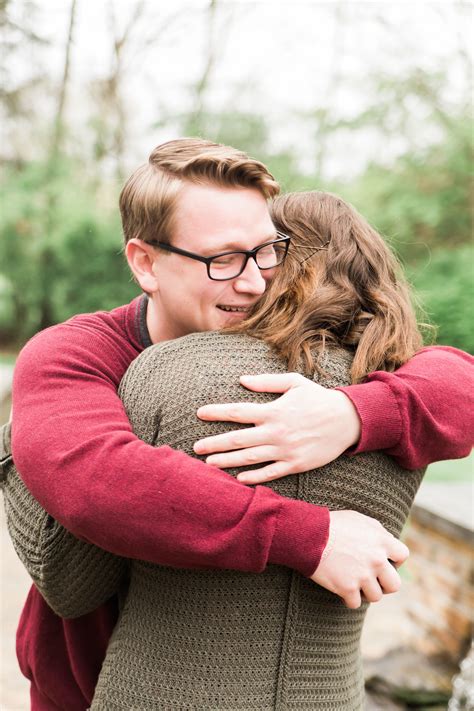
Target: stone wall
[(441, 564), (413, 641)]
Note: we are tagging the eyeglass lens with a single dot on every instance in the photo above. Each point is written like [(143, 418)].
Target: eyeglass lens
[(230, 265)]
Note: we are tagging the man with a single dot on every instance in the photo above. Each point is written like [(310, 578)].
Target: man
[(75, 450)]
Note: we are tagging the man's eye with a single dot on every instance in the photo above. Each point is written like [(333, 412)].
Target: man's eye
[(224, 261)]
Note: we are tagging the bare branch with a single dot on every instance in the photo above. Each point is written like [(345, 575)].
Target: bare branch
[(58, 128)]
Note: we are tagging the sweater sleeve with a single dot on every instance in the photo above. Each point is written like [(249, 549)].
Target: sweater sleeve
[(76, 452), (73, 576), (421, 413)]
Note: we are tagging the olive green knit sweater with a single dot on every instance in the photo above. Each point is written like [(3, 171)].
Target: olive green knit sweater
[(217, 640), (228, 640)]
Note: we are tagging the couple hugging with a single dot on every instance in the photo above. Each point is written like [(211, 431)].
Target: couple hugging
[(161, 581)]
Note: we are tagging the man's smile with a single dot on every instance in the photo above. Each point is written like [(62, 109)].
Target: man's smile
[(234, 309)]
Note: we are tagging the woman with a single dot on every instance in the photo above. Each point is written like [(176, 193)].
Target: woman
[(223, 639)]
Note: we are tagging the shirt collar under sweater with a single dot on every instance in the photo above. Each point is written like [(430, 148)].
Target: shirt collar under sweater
[(142, 327)]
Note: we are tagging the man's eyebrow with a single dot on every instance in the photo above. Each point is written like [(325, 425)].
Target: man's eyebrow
[(234, 247)]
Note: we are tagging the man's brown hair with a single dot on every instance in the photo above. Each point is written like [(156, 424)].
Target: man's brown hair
[(149, 198), (340, 286)]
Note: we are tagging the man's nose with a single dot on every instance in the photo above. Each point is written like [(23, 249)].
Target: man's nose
[(251, 280)]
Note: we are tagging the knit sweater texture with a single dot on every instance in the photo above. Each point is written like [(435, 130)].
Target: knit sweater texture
[(72, 371), (223, 639)]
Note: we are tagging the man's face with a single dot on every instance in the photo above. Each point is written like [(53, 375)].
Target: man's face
[(209, 220)]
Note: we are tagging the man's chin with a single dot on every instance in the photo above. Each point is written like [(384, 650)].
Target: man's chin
[(228, 318)]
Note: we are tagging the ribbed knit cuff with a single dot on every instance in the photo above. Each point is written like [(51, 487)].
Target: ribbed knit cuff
[(301, 534), (381, 421)]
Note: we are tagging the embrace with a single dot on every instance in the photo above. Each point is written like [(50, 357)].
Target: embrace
[(275, 339)]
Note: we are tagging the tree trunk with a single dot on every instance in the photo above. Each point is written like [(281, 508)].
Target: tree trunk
[(58, 134)]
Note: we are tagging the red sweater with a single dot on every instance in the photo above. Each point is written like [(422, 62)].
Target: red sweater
[(130, 497)]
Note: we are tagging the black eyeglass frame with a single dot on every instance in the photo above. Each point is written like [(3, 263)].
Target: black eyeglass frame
[(249, 254)]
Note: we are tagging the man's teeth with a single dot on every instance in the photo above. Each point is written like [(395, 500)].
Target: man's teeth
[(234, 308)]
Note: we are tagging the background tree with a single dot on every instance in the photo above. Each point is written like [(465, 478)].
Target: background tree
[(348, 97)]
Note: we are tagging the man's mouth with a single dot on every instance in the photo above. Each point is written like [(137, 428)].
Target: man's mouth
[(234, 309)]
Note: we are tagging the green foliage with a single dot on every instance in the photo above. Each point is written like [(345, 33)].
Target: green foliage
[(445, 286), (451, 470), (423, 205), (102, 280), (59, 250), (250, 133), (424, 199)]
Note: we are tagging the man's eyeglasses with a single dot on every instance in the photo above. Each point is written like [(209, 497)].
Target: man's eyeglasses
[(229, 265)]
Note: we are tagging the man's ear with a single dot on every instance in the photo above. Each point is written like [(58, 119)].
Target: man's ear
[(141, 257)]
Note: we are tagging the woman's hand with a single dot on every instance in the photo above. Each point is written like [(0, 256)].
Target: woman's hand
[(307, 427)]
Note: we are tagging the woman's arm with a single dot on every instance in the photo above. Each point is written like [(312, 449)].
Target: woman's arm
[(74, 577)]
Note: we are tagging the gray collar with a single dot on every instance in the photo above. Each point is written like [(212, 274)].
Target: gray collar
[(142, 327)]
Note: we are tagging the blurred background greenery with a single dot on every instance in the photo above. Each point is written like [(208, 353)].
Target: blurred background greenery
[(363, 99)]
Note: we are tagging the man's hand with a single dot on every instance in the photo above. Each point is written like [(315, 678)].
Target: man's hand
[(359, 559), (307, 427)]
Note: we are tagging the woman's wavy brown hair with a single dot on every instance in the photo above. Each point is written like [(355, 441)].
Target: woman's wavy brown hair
[(339, 286)]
